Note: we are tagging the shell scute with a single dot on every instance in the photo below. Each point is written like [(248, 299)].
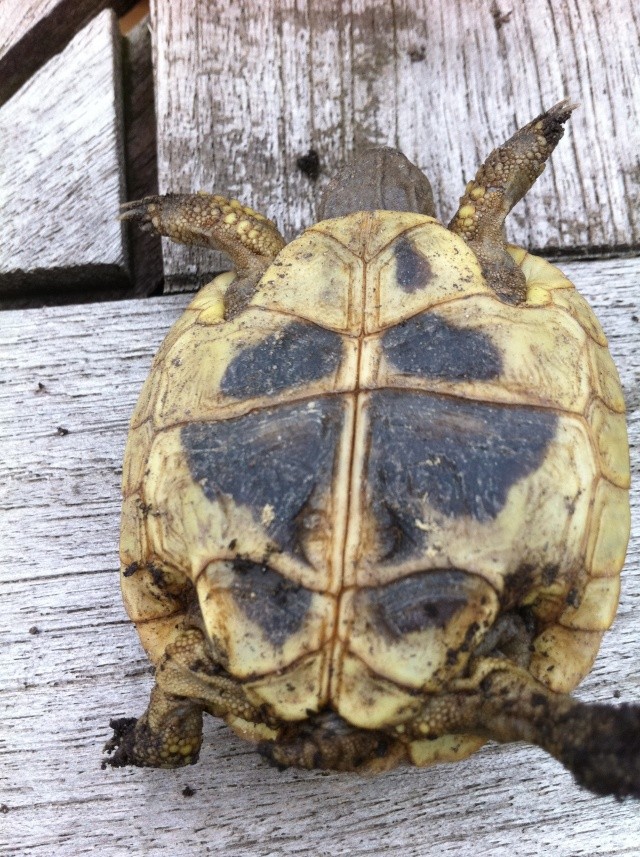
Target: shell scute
[(133, 534), (327, 290), (444, 269), (447, 748), (222, 372), (606, 381), (412, 630), (597, 607), (609, 531), (478, 348), (539, 272), (294, 692), (578, 308), (610, 434), (136, 455), (563, 656), (261, 620), (367, 699)]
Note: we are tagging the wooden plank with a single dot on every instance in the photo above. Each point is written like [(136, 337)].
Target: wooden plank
[(63, 172), (141, 152), (245, 89), (69, 659), (32, 32)]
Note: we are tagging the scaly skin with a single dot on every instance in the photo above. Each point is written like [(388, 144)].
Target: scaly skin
[(599, 744), (210, 220), (169, 733), (504, 178)]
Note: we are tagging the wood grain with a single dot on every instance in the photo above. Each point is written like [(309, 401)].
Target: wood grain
[(62, 172), (141, 153), (245, 89), (33, 31), (70, 660)]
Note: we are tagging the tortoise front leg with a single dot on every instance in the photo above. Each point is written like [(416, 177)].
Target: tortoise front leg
[(504, 178), (248, 238), (169, 733)]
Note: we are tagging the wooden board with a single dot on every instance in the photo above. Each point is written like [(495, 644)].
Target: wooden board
[(245, 89), (140, 151), (70, 660), (33, 31), (62, 172)]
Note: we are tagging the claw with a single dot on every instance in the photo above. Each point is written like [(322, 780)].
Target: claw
[(209, 220), (119, 744), (562, 110), (142, 211)]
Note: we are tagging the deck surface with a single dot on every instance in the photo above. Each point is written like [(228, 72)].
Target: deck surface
[(242, 90), (70, 660)]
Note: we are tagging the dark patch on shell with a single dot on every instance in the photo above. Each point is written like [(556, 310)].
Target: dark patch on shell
[(427, 599), (298, 354), (396, 537), (428, 346), (518, 584), (413, 270), (573, 598), (550, 573), (458, 457), (451, 657), (273, 603), (469, 636), (276, 457), (131, 569)]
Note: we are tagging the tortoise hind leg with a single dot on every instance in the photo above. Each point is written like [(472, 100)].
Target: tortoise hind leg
[(248, 238), (328, 742), (599, 744), (504, 178), (169, 733)]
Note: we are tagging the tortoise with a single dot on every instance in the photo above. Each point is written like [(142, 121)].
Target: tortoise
[(376, 485)]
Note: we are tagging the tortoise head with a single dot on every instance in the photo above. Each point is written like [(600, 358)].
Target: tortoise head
[(379, 178)]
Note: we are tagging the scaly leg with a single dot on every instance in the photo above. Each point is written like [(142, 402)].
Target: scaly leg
[(501, 182), (169, 733), (599, 744), (248, 238), (328, 742)]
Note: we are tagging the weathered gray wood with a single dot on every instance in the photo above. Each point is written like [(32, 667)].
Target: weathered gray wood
[(244, 89), (62, 171), (141, 152), (32, 31), (69, 659)]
